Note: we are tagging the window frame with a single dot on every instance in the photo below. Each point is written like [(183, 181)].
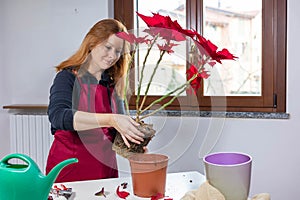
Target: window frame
[(274, 30)]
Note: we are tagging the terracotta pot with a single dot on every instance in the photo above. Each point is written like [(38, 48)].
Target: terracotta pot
[(148, 173)]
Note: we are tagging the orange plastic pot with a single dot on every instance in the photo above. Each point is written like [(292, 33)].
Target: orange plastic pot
[(148, 173)]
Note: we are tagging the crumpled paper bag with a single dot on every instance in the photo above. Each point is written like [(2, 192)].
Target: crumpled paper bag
[(261, 196), (204, 192), (208, 192)]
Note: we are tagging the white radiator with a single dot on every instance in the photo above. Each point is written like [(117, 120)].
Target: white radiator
[(31, 135)]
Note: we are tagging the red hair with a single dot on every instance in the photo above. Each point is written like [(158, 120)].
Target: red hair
[(100, 32)]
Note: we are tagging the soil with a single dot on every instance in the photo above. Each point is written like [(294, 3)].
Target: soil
[(120, 147)]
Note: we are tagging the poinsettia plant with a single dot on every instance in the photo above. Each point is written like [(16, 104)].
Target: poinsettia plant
[(163, 35), (169, 33)]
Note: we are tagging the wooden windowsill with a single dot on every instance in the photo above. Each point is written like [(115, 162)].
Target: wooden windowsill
[(26, 106), (27, 109)]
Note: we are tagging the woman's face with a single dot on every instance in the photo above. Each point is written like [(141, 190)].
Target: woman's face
[(106, 54)]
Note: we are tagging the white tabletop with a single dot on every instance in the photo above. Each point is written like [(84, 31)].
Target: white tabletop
[(176, 186)]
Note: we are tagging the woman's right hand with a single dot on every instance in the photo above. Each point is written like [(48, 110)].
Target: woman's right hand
[(127, 127)]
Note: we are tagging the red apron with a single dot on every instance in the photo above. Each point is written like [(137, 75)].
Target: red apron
[(93, 148)]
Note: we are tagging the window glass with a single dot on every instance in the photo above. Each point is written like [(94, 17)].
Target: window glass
[(237, 26), (171, 72), (255, 31)]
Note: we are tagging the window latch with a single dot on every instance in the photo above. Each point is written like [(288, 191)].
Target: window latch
[(274, 100)]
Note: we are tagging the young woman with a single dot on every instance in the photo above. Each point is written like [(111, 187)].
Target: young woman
[(84, 106)]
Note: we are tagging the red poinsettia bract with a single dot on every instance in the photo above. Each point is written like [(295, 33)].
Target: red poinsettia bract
[(196, 82), (122, 194), (160, 196), (165, 33), (207, 47), (167, 47), (202, 53), (166, 22), (132, 38)]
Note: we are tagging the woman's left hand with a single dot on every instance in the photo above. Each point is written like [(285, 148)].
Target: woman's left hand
[(127, 127)]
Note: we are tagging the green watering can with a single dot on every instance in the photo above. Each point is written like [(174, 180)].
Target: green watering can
[(26, 181)]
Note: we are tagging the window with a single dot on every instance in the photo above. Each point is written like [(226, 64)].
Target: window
[(260, 40)]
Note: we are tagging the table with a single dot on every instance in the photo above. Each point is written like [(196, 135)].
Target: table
[(177, 185)]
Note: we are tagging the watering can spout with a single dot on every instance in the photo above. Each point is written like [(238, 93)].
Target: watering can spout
[(55, 171)]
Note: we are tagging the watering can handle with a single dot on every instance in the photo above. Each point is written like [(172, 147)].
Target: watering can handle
[(22, 157)]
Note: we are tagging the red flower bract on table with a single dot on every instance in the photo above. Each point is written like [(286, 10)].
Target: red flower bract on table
[(122, 194), (160, 196), (157, 196)]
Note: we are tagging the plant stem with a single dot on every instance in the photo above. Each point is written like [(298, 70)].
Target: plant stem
[(127, 80), (183, 87), (162, 98), (162, 107), (141, 79), (140, 110), (151, 78), (173, 91)]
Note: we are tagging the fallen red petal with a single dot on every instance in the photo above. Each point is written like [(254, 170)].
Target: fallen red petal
[(157, 196), (122, 194), (57, 188), (63, 187)]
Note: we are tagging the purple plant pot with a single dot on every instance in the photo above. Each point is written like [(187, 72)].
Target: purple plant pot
[(230, 173)]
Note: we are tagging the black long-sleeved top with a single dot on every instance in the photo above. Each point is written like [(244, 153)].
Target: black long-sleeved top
[(61, 108)]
